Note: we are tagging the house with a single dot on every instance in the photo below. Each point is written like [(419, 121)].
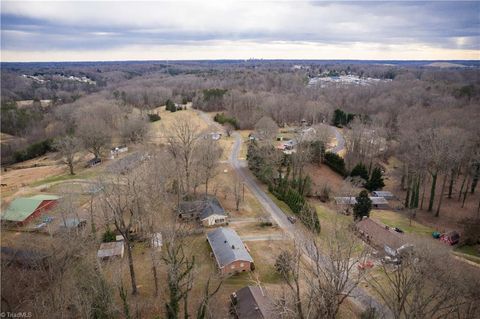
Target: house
[(384, 194), (111, 250), (345, 201), (380, 236), (379, 202), (208, 211), (230, 253), (251, 302), (24, 209)]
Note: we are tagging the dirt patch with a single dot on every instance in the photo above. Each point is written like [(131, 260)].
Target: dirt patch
[(322, 175)]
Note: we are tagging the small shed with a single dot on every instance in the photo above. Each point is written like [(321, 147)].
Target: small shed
[(111, 250), (230, 252), (24, 209)]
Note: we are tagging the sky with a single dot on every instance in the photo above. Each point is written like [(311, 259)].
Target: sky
[(198, 30)]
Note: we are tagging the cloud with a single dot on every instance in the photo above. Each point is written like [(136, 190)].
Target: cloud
[(98, 26)]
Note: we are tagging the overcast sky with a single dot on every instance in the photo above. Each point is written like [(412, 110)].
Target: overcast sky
[(128, 30)]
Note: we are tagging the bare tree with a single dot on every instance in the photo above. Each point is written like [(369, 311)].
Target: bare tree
[(266, 128), (319, 287), (209, 155), (68, 146), (182, 145), (423, 285), (123, 204), (95, 134)]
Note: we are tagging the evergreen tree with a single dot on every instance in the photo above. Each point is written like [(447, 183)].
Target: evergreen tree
[(376, 180), (361, 171), (363, 206)]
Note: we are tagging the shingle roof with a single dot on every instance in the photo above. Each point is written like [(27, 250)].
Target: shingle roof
[(204, 208), (379, 235), (227, 246), (383, 194), (252, 303)]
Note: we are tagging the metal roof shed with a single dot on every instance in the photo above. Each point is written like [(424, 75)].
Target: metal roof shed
[(22, 209)]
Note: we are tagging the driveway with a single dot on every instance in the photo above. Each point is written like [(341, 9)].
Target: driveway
[(359, 295)]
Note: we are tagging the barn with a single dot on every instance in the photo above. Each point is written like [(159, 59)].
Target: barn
[(22, 210)]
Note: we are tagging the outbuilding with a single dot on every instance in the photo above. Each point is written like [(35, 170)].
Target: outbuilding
[(22, 210), (384, 194), (230, 252), (111, 250)]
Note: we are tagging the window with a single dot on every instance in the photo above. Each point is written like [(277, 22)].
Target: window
[(232, 266), (242, 264)]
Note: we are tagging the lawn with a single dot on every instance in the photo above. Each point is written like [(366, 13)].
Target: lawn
[(394, 219), (468, 252)]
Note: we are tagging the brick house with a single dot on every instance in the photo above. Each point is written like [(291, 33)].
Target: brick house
[(229, 251)]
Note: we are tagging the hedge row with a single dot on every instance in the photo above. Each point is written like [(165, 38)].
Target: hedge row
[(34, 150)]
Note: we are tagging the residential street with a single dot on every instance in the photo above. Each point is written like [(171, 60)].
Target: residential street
[(361, 296)]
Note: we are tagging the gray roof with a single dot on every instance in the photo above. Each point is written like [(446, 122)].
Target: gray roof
[(227, 246), (385, 194), (252, 303), (353, 200), (203, 208)]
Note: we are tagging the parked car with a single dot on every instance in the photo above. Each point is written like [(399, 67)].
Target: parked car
[(292, 219), (451, 238), (398, 230)]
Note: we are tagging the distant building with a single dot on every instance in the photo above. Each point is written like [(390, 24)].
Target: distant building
[(111, 250), (251, 302), (208, 211), (230, 252), (384, 194), (377, 202), (119, 149), (24, 209)]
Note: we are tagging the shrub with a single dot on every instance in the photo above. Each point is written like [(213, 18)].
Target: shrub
[(34, 150), (154, 117), (376, 180), (108, 236), (222, 119), (335, 162)]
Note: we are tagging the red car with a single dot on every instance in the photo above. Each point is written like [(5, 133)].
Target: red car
[(451, 238)]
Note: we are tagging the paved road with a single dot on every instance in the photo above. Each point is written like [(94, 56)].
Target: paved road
[(360, 295), (340, 140)]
